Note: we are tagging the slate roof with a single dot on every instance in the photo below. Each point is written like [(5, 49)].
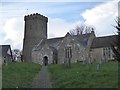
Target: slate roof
[(53, 42), (41, 44), (98, 42), (81, 38), (4, 49), (105, 41)]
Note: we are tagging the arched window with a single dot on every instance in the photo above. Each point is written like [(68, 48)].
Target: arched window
[(68, 52)]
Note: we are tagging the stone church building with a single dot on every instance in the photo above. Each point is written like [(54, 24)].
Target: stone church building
[(38, 48)]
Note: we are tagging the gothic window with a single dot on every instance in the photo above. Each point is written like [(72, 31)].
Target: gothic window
[(109, 52), (65, 53), (104, 51), (68, 52)]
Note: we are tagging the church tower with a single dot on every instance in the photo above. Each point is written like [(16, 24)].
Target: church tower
[(35, 31)]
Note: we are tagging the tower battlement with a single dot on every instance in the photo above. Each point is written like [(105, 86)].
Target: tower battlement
[(35, 16), (35, 31)]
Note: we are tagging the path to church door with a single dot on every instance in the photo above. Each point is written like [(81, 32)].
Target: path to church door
[(45, 60)]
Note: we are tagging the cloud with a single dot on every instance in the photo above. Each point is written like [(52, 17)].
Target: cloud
[(59, 27), (56, 0), (102, 17), (13, 30)]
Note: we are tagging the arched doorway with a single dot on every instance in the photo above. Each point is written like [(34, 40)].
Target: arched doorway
[(45, 60)]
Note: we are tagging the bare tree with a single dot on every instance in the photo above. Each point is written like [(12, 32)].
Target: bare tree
[(72, 32), (81, 29), (16, 53), (88, 29)]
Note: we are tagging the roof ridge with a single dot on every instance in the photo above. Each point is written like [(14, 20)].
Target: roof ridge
[(106, 36), (55, 38)]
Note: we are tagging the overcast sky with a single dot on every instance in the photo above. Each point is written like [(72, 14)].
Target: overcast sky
[(62, 17)]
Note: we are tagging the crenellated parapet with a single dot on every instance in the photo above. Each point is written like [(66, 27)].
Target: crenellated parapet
[(35, 16), (35, 31)]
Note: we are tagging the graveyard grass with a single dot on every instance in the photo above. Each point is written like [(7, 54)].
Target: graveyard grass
[(19, 74), (84, 76)]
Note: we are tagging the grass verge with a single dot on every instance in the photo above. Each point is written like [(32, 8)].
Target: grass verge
[(80, 76), (19, 74)]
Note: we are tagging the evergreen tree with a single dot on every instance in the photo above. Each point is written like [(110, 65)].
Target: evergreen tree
[(116, 49)]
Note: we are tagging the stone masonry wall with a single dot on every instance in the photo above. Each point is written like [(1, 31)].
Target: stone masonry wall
[(37, 56), (35, 30)]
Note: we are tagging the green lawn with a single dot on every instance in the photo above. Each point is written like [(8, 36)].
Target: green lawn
[(80, 76), (19, 74)]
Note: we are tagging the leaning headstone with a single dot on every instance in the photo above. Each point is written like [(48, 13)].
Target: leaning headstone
[(87, 65), (89, 60), (67, 62), (83, 61), (5, 61), (98, 67)]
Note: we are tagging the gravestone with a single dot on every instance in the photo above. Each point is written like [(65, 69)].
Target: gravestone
[(67, 62), (98, 67), (5, 61)]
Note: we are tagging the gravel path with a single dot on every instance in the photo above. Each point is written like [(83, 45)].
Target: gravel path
[(42, 80)]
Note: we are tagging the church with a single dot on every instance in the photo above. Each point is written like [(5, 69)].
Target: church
[(87, 47)]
